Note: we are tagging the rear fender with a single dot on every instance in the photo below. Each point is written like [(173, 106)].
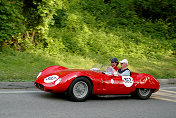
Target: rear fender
[(149, 82)]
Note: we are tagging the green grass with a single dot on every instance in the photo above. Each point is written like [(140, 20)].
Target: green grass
[(25, 66), (163, 67)]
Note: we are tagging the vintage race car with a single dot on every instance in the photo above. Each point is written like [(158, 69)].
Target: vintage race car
[(79, 84)]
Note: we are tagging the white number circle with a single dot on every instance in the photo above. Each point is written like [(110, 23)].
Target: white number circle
[(51, 78), (127, 81)]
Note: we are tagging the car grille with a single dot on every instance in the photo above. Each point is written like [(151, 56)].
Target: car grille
[(39, 86)]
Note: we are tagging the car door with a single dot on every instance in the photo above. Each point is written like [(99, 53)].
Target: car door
[(126, 84), (110, 85), (118, 85)]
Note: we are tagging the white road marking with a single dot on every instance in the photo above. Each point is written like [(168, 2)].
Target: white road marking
[(167, 88), (161, 98), (15, 92), (164, 93), (168, 91)]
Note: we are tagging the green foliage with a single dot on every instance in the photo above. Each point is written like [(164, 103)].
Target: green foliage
[(45, 10), (60, 18), (32, 19), (141, 30), (156, 9), (106, 30), (11, 20), (76, 18)]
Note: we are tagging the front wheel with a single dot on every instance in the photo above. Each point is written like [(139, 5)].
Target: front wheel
[(143, 93), (80, 89)]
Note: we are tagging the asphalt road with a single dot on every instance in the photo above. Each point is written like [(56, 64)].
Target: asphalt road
[(32, 103)]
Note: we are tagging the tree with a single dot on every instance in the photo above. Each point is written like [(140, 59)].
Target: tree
[(11, 20)]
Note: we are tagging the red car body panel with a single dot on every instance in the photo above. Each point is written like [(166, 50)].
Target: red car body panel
[(102, 84)]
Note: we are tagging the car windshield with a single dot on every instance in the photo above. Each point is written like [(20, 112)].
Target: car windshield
[(103, 68)]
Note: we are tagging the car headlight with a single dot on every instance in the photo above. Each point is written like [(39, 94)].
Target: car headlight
[(58, 81), (51, 78), (39, 74)]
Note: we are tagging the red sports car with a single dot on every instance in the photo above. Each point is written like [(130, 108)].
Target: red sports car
[(79, 84)]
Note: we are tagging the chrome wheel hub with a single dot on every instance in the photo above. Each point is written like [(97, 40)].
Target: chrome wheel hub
[(144, 92), (80, 89)]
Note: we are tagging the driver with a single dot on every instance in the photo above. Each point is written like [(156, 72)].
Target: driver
[(114, 63), (113, 68)]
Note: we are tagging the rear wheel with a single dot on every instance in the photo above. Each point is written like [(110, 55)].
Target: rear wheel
[(142, 93), (80, 89)]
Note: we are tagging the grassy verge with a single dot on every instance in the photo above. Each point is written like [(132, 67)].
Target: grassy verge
[(163, 67), (25, 66)]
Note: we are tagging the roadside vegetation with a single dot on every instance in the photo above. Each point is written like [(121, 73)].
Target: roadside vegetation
[(82, 33)]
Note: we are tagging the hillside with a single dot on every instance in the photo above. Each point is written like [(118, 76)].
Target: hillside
[(82, 33)]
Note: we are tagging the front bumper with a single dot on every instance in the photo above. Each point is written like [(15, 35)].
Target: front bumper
[(61, 88), (39, 86)]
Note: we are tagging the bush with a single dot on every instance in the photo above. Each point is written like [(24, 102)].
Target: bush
[(11, 20), (108, 30)]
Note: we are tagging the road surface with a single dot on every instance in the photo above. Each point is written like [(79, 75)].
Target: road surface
[(32, 103)]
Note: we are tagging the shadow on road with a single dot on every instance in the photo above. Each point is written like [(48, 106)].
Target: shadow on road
[(93, 97), (110, 97)]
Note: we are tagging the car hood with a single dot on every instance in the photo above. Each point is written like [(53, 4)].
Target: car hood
[(67, 72)]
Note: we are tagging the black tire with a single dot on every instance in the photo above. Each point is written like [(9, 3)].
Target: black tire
[(142, 93), (80, 89)]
